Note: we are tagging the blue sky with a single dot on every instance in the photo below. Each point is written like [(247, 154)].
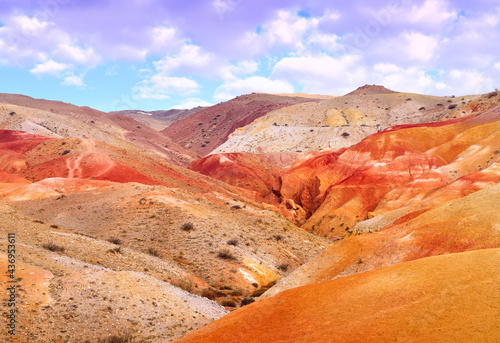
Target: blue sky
[(156, 54)]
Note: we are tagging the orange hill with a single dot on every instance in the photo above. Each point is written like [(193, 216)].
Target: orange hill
[(452, 298)]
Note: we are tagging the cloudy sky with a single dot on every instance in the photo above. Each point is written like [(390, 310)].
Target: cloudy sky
[(159, 54)]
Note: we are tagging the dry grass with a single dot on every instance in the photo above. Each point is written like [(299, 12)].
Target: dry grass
[(187, 227), (115, 240), (225, 254), (53, 247), (122, 338), (185, 284), (117, 250), (153, 252), (233, 242), (283, 267)]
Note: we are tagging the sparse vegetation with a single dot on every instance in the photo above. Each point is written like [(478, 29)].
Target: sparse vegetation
[(278, 238), (228, 303), (115, 240), (225, 254), (122, 338), (153, 252), (117, 250), (182, 283), (187, 227), (53, 247), (209, 294), (246, 301), (233, 242), (283, 267), (236, 207)]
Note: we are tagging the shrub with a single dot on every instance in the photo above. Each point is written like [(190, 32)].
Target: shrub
[(121, 338), (452, 106), (153, 252), (117, 250), (65, 152), (236, 207), (209, 293), (278, 238), (233, 242), (225, 254), (53, 247), (345, 134), (228, 302), (54, 226), (236, 293), (185, 284), (283, 267), (258, 292), (187, 227), (246, 301), (421, 109), (114, 240)]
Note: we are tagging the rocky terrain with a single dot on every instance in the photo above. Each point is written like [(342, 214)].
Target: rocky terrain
[(342, 121), (207, 129), (159, 120), (412, 211), (62, 120), (388, 234)]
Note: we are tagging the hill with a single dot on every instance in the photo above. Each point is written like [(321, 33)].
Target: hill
[(58, 119), (343, 121), (435, 299), (205, 130), (159, 120)]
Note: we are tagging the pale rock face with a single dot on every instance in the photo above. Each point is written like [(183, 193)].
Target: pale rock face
[(338, 122)]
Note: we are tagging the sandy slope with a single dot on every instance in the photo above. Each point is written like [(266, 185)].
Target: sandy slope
[(451, 298)]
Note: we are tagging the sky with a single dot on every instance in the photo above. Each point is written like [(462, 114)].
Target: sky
[(161, 54)]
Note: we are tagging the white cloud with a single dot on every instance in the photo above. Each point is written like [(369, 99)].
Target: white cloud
[(497, 65), (161, 87), (190, 57), (164, 38), (49, 67), (418, 46), (72, 53), (322, 73), (73, 80), (231, 89), (221, 7), (291, 31), (326, 42), (27, 41), (410, 79), (192, 103), (430, 14)]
